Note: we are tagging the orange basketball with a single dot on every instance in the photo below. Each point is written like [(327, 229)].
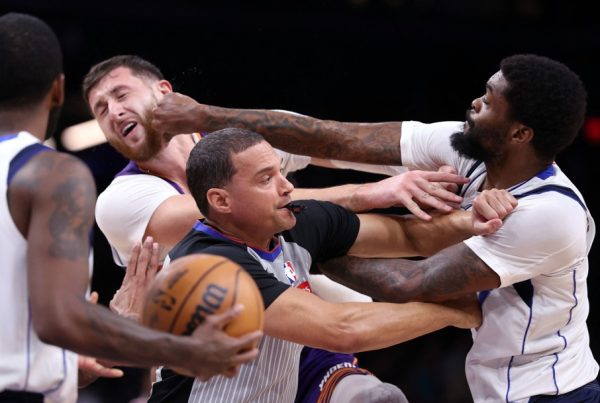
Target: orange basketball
[(194, 286)]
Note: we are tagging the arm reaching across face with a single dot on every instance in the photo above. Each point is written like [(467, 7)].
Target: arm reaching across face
[(177, 113), (374, 143)]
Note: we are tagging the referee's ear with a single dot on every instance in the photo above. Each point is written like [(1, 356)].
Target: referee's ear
[(219, 200)]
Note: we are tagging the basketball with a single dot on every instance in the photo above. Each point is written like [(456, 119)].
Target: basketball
[(194, 286)]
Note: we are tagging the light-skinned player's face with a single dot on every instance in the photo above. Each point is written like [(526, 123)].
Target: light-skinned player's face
[(121, 103), (259, 193)]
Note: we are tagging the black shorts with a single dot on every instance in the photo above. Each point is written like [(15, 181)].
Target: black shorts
[(588, 393), (12, 396)]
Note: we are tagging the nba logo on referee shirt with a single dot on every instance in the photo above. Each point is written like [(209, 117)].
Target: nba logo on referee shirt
[(290, 273)]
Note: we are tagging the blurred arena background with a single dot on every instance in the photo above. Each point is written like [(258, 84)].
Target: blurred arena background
[(351, 60)]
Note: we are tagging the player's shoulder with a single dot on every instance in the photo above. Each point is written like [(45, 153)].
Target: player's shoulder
[(48, 170), (554, 202), (552, 217)]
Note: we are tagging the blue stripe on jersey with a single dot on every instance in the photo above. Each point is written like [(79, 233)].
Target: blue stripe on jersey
[(462, 191), (508, 378), (527, 328), (133, 169), (23, 157), (554, 369), (200, 226), (546, 173), (265, 255), (574, 296), (526, 292), (7, 137), (28, 356), (554, 188), (60, 383)]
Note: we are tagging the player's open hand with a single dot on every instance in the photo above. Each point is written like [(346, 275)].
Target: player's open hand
[(143, 265), (415, 190)]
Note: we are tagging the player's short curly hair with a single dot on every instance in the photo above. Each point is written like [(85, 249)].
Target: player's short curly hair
[(546, 96), (30, 60), (139, 66)]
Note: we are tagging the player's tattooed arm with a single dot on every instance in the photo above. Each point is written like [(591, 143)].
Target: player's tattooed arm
[(453, 272), (376, 143)]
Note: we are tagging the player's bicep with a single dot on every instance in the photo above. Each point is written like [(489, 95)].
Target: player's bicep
[(452, 272), (63, 198), (61, 219), (173, 218)]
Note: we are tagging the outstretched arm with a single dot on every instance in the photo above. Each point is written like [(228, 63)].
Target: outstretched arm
[(361, 326), (399, 236), (449, 274), (374, 143), (413, 190)]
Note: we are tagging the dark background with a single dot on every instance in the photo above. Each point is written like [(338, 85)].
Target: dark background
[(350, 60)]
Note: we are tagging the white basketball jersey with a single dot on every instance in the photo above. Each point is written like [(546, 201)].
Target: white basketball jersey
[(26, 364)]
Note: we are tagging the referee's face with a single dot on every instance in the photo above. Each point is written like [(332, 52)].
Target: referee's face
[(259, 194)]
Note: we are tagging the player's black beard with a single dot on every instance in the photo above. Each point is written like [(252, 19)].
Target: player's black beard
[(53, 117), (469, 147), (469, 144)]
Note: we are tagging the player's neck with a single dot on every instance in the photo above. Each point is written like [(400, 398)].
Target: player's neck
[(32, 120), (170, 161), (239, 235), (508, 173)]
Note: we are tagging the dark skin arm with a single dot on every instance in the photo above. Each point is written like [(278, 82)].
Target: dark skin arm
[(374, 143), (449, 274), (52, 200)]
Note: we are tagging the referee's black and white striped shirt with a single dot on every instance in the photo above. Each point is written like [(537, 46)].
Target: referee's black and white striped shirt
[(322, 231)]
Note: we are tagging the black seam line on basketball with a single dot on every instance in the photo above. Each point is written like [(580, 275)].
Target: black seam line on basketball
[(192, 290), (258, 300), (237, 282)]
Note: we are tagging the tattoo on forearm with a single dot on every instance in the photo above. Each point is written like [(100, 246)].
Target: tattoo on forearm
[(448, 274), (371, 143)]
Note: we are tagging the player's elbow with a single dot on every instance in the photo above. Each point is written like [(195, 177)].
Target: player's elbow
[(54, 324), (50, 331), (343, 337)]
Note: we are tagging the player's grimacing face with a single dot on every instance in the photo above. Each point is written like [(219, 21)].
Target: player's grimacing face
[(121, 103)]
